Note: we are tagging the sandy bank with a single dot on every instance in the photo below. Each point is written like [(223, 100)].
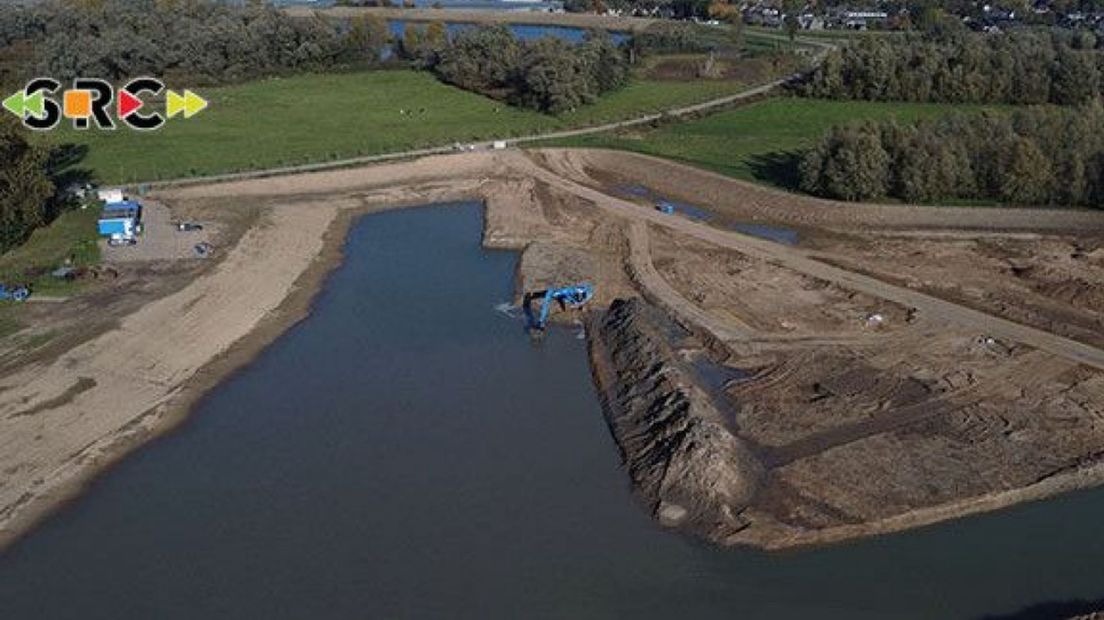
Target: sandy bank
[(62, 420)]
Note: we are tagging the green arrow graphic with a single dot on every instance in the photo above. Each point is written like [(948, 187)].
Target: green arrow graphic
[(35, 104), (15, 104), (20, 104)]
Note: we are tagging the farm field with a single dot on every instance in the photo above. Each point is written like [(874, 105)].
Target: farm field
[(314, 118), (758, 142)]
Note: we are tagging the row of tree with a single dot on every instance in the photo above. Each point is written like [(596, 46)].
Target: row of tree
[(193, 41), (1038, 155), (1021, 67), (25, 187), (547, 74)]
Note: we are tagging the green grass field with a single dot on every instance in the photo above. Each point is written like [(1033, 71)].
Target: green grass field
[(757, 142), (71, 236), (313, 118)]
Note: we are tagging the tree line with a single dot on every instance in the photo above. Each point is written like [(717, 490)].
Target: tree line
[(1037, 155), (956, 66), (546, 74), (25, 186), (184, 40)]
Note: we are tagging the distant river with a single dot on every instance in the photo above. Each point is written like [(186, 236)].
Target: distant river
[(525, 32), (407, 452)]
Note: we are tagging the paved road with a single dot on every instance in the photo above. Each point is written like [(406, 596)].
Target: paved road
[(931, 308)]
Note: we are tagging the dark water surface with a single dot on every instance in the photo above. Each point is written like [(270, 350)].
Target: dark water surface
[(778, 234), (407, 453), (524, 32)]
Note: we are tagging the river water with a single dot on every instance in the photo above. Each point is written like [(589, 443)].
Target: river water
[(524, 32), (407, 452)]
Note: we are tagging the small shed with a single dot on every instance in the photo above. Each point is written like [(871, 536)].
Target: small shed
[(110, 195)]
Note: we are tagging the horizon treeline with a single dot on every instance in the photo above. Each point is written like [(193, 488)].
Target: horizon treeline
[(1041, 155), (958, 66), (191, 42)]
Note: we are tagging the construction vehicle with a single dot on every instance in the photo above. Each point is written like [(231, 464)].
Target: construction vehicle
[(14, 293), (567, 297)]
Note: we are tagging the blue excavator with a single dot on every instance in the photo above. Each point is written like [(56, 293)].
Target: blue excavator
[(567, 297)]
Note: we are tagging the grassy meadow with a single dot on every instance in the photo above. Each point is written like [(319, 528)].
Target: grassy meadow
[(71, 236), (760, 141), (316, 118)]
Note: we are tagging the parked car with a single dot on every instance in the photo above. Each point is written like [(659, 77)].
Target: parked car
[(189, 226), (14, 293)]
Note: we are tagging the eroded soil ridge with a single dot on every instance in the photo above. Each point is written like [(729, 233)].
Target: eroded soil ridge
[(687, 467)]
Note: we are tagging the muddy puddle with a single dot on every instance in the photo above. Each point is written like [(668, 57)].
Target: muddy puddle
[(778, 234)]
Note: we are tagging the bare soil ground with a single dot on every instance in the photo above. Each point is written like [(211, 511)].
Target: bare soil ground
[(160, 239), (864, 426), (901, 365), (736, 68), (766, 297), (1055, 283)]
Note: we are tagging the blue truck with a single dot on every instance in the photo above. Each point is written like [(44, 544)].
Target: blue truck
[(120, 222)]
